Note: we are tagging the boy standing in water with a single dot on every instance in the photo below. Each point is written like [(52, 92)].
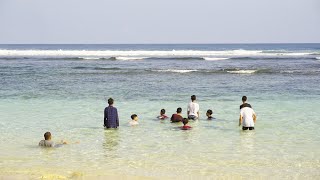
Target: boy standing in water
[(247, 116), (111, 119), (193, 109)]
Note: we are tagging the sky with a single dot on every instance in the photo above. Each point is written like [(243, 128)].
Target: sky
[(159, 21)]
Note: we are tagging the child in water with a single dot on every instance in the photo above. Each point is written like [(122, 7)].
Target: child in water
[(162, 114), (185, 126), (47, 142), (209, 114), (134, 120)]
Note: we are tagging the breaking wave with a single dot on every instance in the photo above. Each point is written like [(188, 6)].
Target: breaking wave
[(176, 70), (214, 59), (152, 54)]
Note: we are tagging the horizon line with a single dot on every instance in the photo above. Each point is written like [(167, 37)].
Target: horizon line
[(158, 43)]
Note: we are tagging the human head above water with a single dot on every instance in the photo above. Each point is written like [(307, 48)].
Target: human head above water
[(185, 121), (134, 116), (209, 112), (47, 136), (162, 111), (110, 101), (244, 98), (193, 97), (179, 110)]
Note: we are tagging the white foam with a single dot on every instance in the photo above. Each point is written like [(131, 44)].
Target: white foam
[(130, 58), (214, 58), (90, 58), (318, 58), (138, 54), (242, 71), (178, 70), (289, 72), (110, 53)]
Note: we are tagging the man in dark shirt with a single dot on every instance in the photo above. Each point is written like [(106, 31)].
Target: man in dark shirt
[(177, 117), (244, 103), (111, 119)]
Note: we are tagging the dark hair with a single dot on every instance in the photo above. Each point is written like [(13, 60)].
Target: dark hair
[(179, 110), (47, 135), (244, 98), (193, 97), (185, 121), (133, 116), (163, 111), (110, 101), (209, 111)]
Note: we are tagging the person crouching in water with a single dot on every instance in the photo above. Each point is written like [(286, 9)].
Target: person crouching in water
[(47, 142), (185, 126), (162, 114), (177, 117), (134, 120), (209, 114)]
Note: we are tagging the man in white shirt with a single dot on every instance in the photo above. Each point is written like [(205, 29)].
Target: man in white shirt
[(247, 118), (193, 109)]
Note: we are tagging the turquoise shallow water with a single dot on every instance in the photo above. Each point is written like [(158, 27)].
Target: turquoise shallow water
[(67, 97)]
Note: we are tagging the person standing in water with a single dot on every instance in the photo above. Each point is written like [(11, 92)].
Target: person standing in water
[(111, 118), (193, 108), (247, 115)]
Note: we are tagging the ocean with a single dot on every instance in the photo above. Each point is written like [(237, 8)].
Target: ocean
[(63, 89)]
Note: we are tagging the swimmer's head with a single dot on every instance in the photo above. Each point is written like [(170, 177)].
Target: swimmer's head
[(162, 111), (47, 136), (209, 112), (179, 110), (134, 117), (185, 121)]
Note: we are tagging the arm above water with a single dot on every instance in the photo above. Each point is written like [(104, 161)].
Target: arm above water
[(240, 120), (105, 117), (254, 117), (117, 118)]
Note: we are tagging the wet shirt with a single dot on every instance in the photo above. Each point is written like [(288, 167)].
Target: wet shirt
[(133, 123), (193, 109), (163, 116), (247, 117), (176, 118), (46, 143), (111, 119), (186, 127)]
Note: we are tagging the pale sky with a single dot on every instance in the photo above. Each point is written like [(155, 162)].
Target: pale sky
[(159, 21)]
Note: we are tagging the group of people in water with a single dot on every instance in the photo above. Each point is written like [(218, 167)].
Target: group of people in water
[(111, 119)]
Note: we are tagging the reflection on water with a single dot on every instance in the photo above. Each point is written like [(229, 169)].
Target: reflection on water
[(247, 140), (111, 142)]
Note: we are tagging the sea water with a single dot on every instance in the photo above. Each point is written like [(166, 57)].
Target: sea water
[(63, 89)]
